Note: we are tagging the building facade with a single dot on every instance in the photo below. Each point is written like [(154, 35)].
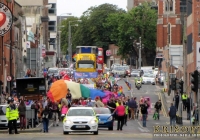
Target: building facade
[(51, 54)]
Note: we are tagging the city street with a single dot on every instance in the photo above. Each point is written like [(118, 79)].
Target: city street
[(133, 130)]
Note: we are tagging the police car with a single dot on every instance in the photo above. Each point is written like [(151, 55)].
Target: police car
[(3, 119), (80, 119)]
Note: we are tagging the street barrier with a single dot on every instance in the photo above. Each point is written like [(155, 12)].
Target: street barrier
[(30, 117)]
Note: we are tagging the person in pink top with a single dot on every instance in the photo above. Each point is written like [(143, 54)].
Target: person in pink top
[(64, 108), (120, 111), (83, 102)]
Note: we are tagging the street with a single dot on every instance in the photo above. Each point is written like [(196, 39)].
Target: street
[(133, 130)]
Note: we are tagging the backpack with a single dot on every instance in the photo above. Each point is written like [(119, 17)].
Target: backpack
[(45, 115), (142, 108), (172, 112), (55, 107)]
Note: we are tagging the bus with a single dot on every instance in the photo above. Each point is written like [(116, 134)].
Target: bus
[(100, 60), (86, 59)]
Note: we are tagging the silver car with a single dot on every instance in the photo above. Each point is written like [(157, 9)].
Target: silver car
[(135, 73), (120, 71), (3, 119)]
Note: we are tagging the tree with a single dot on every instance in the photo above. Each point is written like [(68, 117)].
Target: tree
[(92, 30), (139, 22), (64, 33)]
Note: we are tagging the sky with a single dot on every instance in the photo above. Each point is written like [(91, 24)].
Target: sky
[(77, 7)]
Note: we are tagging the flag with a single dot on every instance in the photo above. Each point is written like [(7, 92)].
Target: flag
[(128, 85), (74, 56)]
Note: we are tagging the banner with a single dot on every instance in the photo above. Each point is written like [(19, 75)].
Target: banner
[(128, 85), (85, 75), (91, 86)]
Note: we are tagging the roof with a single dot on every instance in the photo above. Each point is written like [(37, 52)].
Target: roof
[(81, 108)]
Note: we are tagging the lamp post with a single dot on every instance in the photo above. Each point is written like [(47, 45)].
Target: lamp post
[(69, 40), (59, 35)]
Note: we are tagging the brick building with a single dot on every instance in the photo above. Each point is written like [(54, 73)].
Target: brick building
[(5, 42), (169, 20), (193, 36)]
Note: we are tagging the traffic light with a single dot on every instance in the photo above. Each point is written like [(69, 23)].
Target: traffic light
[(181, 86), (194, 81), (173, 83)]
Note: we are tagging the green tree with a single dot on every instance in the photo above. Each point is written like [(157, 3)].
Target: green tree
[(139, 22), (64, 32), (92, 31)]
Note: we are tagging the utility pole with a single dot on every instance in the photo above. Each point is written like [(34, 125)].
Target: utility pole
[(140, 47), (69, 44)]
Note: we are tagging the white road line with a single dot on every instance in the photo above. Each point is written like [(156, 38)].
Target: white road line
[(142, 128), (50, 125), (38, 124)]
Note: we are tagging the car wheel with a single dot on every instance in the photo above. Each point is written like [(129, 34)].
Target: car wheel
[(110, 128), (65, 133), (96, 132)]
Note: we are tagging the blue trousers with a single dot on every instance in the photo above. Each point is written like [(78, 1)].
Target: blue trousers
[(144, 119), (45, 124)]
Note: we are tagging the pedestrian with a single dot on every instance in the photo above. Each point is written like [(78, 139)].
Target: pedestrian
[(158, 107), (184, 99), (22, 114), (172, 114), (133, 106), (12, 115), (64, 108), (188, 106), (120, 111), (55, 110), (144, 111), (45, 119), (176, 100)]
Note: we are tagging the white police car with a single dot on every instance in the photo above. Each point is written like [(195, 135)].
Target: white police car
[(80, 119)]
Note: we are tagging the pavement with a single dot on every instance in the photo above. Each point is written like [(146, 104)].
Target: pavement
[(133, 130)]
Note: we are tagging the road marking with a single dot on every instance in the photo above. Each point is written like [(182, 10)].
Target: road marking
[(167, 123), (50, 125), (163, 109), (38, 124), (147, 92)]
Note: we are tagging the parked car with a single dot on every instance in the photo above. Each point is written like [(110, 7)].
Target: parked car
[(120, 71), (135, 73), (115, 65), (148, 79), (3, 119), (105, 118)]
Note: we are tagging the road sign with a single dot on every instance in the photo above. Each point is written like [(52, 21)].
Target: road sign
[(6, 19), (9, 78)]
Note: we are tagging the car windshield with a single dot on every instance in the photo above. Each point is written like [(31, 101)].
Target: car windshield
[(86, 65), (135, 71), (2, 110), (152, 76), (53, 71), (119, 68), (102, 111), (126, 67), (146, 75), (80, 112)]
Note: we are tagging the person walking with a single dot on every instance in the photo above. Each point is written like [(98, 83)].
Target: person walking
[(188, 106), (133, 106), (55, 110), (158, 107), (22, 114), (184, 99), (176, 100), (45, 119), (120, 110), (144, 111), (172, 115), (12, 115)]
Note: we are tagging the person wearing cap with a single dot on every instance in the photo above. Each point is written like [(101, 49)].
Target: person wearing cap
[(12, 115)]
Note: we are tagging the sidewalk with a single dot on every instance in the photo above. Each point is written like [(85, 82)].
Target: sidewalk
[(167, 100), (34, 130)]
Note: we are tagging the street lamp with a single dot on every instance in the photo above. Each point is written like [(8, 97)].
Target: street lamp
[(59, 35), (69, 40)]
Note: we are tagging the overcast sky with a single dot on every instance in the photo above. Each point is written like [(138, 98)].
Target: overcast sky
[(77, 7)]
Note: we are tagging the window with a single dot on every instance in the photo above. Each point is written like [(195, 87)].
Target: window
[(166, 5), (171, 5), (199, 30), (80, 112), (52, 25), (86, 65), (52, 10), (52, 42)]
